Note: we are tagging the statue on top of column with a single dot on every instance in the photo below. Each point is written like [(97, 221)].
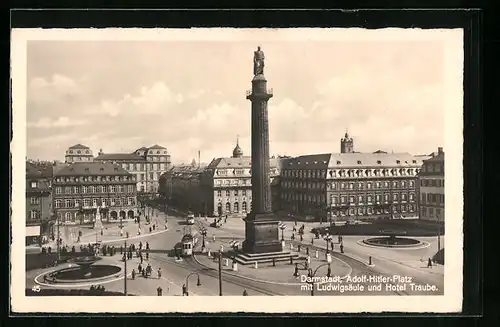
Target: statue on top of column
[(258, 61)]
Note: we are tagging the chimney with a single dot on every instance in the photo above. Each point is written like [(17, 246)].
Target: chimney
[(440, 150)]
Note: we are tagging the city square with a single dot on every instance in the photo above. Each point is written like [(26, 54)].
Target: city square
[(128, 216)]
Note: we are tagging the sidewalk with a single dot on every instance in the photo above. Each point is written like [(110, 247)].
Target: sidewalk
[(281, 273)]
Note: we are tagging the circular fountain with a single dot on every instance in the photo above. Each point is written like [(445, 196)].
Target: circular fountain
[(82, 269), (392, 239)]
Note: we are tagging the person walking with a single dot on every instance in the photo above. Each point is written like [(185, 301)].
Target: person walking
[(159, 273), (429, 263)]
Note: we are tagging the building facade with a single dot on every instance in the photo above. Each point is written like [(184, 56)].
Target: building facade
[(223, 187), (227, 184), (38, 203), (350, 185), (78, 153), (146, 164), (181, 186), (80, 188), (431, 184)]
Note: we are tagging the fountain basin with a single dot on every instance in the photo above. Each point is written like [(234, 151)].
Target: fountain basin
[(393, 242), (83, 274)]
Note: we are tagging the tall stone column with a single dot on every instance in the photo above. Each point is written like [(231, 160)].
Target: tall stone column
[(261, 225)]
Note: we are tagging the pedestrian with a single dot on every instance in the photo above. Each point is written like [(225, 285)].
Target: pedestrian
[(139, 268), (429, 263), (140, 245), (133, 273), (245, 293), (341, 247), (159, 273), (147, 246), (159, 291), (150, 229), (147, 256), (121, 249)]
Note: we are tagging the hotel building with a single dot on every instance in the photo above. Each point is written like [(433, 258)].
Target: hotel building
[(350, 185)]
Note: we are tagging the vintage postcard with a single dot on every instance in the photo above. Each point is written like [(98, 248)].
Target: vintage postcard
[(201, 164)]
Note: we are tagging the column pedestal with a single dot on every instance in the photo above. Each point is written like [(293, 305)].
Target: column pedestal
[(261, 234)]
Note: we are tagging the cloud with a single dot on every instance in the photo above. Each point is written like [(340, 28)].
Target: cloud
[(191, 95), (59, 122), (153, 100)]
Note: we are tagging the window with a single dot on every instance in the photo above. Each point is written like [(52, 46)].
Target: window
[(403, 197), (90, 189), (360, 199), (377, 198), (113, 189), (34, 200), (33, 214), (58, 203), (244, 206), (219, 193), (412, 197), (33, 184), (58, 190), (236, 207), (235, 192), (228, 193), (369, 185), (369, 199), (342, 199), (351, 199), (228, 207), (121, 188), (351, 186), (395, 197), (68, 203)]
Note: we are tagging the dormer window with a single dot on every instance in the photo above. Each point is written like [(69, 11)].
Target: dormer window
[(379, 162), (414, 161), (338, 162), (116, 168), (33, 184), (398, 162), (102, 169), (87, 170), (359, 162)]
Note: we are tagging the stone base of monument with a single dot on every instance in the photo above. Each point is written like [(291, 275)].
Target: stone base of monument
[(251, 258), (262, 243)]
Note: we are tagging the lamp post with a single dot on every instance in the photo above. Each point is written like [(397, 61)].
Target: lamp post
[(311, 274), (282, 227), (125, 269), (328, 239), (220, 271), (187, 281), (203, 234), (58, 237)]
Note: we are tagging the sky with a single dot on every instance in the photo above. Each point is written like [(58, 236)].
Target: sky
[(189, 95)]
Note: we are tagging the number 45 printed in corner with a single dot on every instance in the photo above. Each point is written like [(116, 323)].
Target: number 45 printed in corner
[(36, 288)]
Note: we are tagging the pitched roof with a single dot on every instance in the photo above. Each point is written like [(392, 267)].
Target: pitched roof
[(119, 157), (341, 160), (91, 169), (39, 170), (437, 158), (41, 186), (79, 146), (156, 146)]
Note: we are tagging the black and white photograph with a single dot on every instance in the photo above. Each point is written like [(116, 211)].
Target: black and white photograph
[(297, 163)]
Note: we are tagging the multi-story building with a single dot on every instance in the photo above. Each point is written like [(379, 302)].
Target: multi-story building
[(80, 188), (181, 187), (431, 184), (227, 184), (221, 188), (146, 164), (78, 153), (350, 184), (38, 203)]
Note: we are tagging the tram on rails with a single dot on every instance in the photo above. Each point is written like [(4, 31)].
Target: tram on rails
[(187, 244), (190, 218)]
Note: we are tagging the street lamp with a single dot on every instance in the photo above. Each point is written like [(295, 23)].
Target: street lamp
[(125, 268), (187, 282), (282, 227), (311, 274), (203, 234), (328, 239), (220, 270)]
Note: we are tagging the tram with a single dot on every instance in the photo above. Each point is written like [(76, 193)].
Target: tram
[(187, 243), (190, 218)]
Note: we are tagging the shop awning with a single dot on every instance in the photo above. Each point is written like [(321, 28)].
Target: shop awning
[(32, 231)]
